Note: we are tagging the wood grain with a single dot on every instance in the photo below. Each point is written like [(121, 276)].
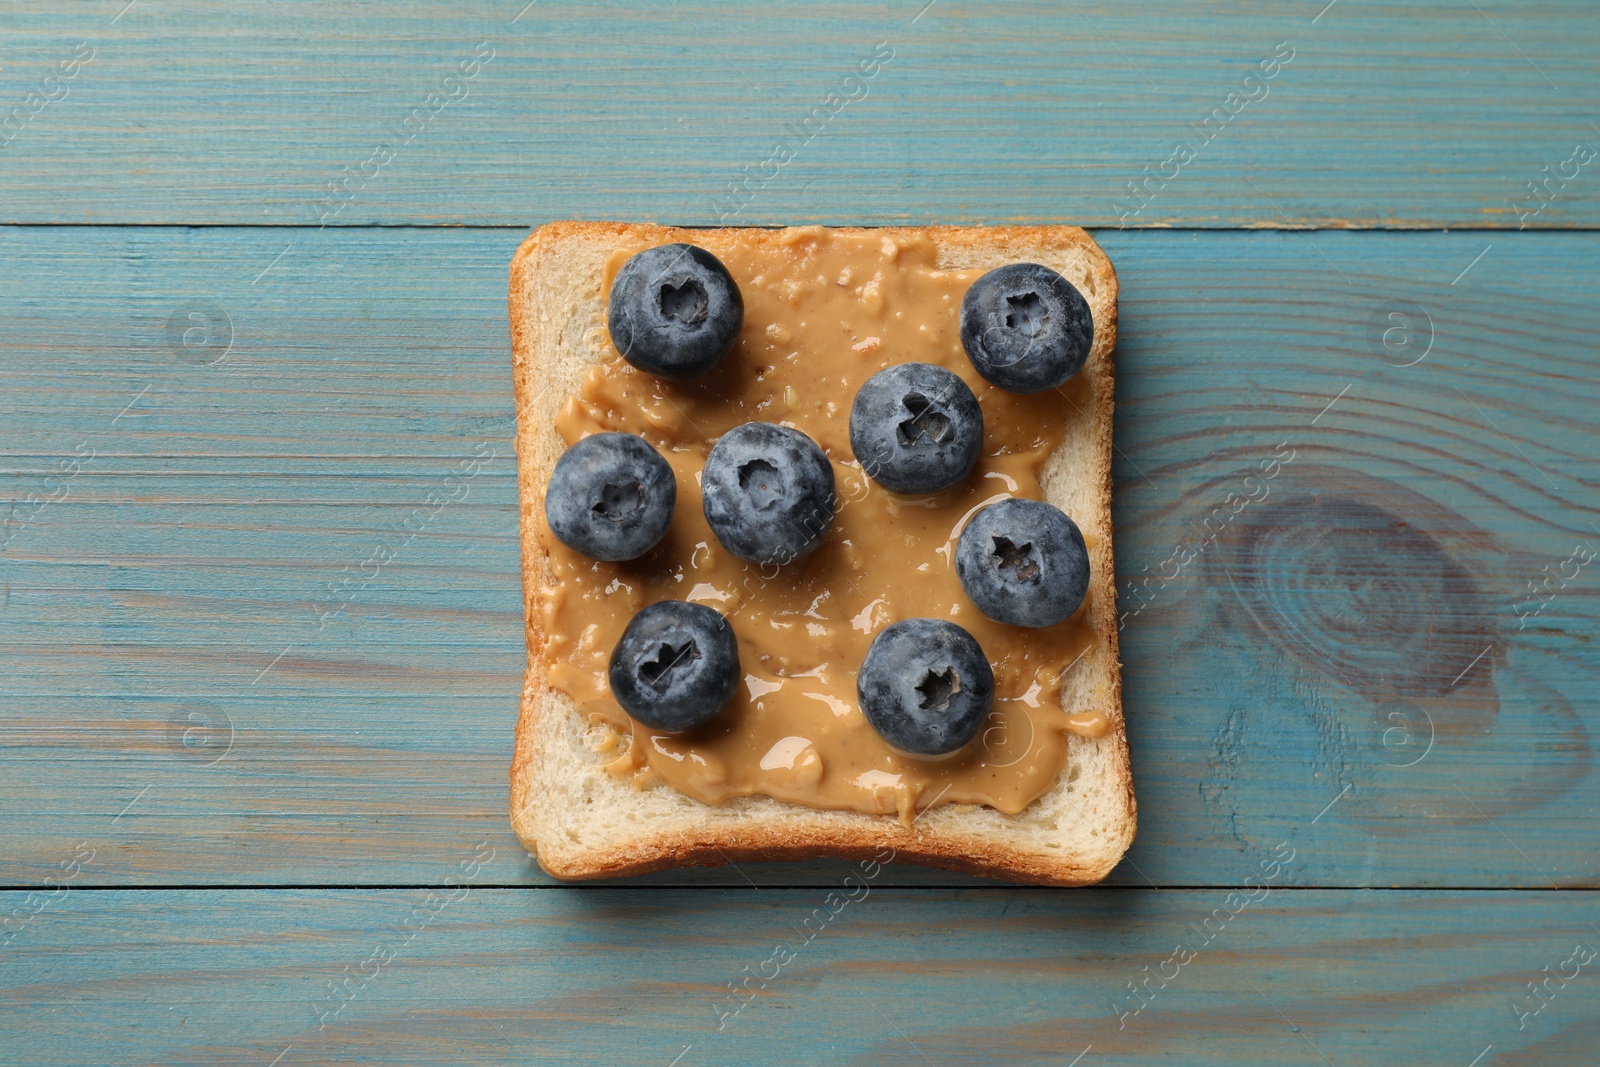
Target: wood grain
[(1336, 654), (1355, 511), (1424, 113), (894, 977)]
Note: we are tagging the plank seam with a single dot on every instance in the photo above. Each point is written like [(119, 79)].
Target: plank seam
[(746, 887), (525, 227)]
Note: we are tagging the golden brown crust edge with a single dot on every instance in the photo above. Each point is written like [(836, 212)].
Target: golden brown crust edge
[(717, 846), (532, 564)]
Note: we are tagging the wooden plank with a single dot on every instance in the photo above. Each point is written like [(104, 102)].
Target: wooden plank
[(1342, 657), (893, 977), (1415, 114)]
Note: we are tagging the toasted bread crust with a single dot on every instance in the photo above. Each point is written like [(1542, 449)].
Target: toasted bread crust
[(848, 835)]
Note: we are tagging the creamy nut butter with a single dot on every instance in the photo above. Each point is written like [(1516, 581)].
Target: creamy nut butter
[(823, 312)]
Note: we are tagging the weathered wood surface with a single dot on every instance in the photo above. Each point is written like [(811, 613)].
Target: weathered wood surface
[(1422, 113), (894, 977), (1380, 657), (201, 681)]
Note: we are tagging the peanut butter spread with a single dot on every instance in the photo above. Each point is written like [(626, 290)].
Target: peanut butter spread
[(823, 313)]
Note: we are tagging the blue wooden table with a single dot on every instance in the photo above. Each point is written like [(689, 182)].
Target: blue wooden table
[(252, 316)]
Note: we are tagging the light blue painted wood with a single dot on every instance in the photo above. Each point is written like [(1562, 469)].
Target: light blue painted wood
[(895, 977), (1422, 113), (178, 587), (203, 433)]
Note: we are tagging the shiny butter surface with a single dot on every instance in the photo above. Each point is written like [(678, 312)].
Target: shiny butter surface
[(823, 313)]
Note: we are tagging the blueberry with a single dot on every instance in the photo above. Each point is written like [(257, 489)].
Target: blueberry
[(768, 493), (925, 686), (1023, 562), (1025, 327), (916, 428), (675, 311), (610, 497), (676, 666)]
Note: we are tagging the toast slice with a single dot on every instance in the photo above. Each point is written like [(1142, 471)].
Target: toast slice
[(581, 821)]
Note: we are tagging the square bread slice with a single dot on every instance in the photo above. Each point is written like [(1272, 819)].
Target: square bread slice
[(581, 821)]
